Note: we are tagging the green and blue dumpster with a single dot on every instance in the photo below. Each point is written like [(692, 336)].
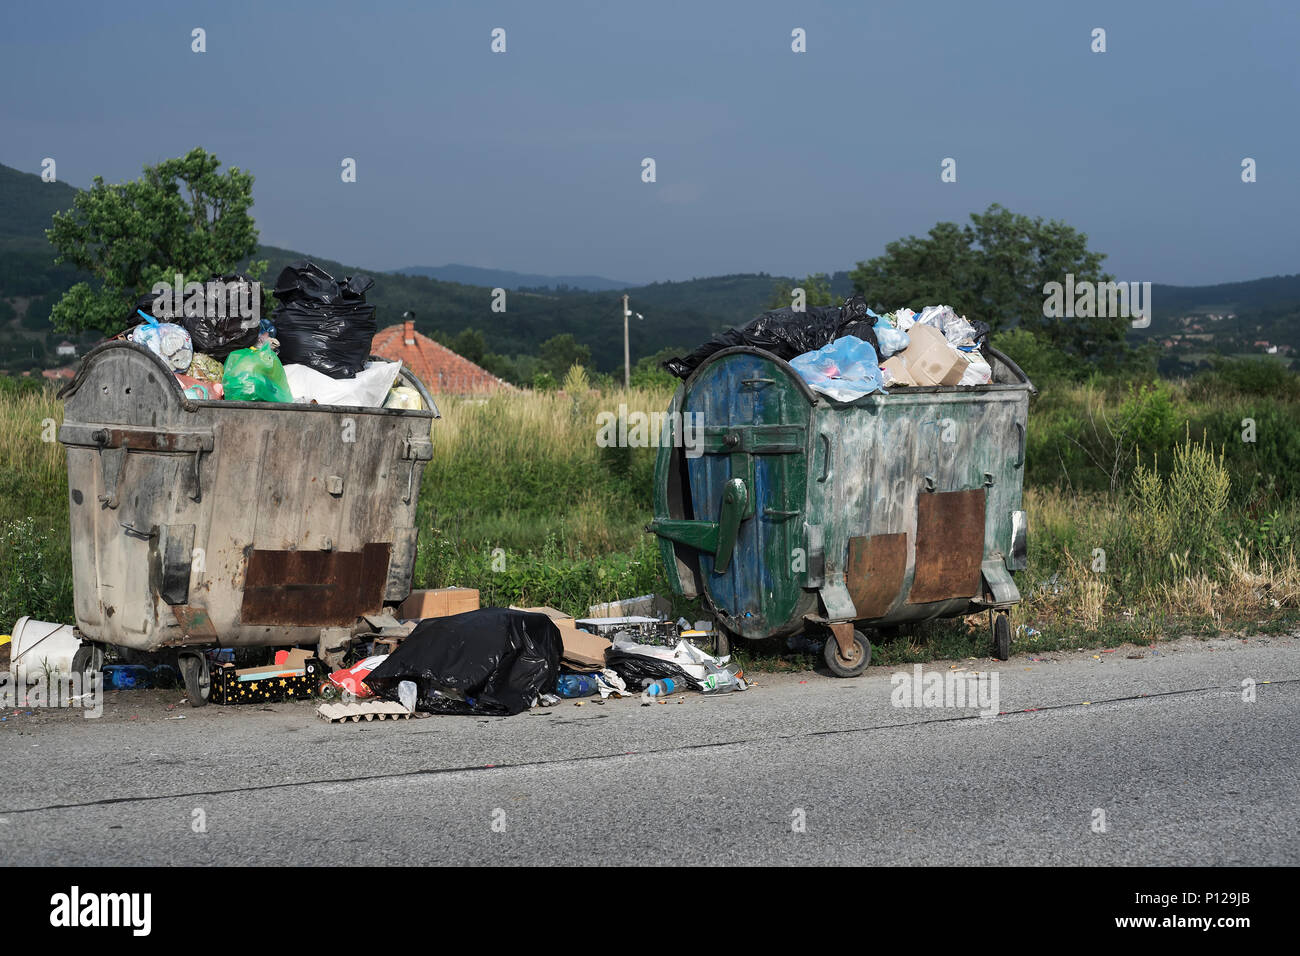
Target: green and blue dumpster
[(793, 511)]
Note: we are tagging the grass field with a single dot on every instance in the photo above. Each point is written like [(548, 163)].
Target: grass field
[(1149, 513)]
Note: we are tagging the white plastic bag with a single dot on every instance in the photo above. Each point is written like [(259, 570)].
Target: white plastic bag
[(685, 655), (169, 342), (369, 388), (406, 693), (978, 372)]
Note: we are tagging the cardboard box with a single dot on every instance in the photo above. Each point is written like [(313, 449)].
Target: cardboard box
[(928, 360), (295, 676), (582, 651), (438, 602)]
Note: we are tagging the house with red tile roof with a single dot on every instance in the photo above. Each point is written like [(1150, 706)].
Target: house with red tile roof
[(440, 369)]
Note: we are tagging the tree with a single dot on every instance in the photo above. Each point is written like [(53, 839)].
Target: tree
[(648, 372), (182, 216), (561, 352), (994, 270), (816, 288), (470, 344)]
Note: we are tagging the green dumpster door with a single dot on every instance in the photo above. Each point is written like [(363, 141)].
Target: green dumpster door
[(750, 482)]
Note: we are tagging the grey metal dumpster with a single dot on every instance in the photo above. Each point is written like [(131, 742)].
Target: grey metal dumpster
[(804, 511), (200, 523)]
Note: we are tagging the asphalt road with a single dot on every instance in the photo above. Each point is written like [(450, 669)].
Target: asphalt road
[(801, 769)]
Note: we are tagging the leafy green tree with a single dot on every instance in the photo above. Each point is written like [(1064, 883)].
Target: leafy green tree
[(994, 270), (648, 372), (470, 344), (816, 288), (561, 352), (182, 216)]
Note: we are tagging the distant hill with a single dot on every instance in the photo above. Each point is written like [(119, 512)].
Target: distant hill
[(505, 279), (532, 317), (677, 315)]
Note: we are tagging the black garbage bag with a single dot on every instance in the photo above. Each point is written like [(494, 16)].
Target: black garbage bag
[(219, 335), (149, 304), (787, 333), (491, 661), (638, 670), (322, 322)]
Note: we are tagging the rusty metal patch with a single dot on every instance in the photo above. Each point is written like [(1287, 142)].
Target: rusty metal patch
[(949, 545), (875, 572), (314, 588)]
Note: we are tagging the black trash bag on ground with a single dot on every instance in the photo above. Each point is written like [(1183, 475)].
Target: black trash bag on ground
[(218, 336), (787, 333), (492, 661), (636, 670), (322, 322)]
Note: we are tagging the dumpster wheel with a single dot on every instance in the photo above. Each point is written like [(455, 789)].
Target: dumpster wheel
[(89, 658), (198, 681), (853, 665), (1001, 636)]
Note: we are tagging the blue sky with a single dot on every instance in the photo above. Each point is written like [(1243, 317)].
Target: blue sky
[(765, 159)]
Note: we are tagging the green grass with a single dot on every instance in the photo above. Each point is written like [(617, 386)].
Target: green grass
[(520, 502)]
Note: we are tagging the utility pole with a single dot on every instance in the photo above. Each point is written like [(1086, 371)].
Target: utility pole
[(627, 352)]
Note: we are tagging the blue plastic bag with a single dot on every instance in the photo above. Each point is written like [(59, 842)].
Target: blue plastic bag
[(891, 339), (845, 370)]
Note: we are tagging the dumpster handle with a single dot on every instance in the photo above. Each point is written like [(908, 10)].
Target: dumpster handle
[(1020, 459), (198, 483), (826, 457)]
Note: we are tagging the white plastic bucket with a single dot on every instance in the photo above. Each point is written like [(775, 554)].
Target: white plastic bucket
[(40, 647)]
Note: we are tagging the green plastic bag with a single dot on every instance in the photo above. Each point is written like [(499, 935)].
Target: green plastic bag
[(255, 375)]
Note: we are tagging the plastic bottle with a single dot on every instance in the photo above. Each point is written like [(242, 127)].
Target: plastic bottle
[(661, 688), (575, 685)]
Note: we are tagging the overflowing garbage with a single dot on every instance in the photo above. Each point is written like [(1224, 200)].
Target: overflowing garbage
[(503, 661), (491, 661), (315, 348), (847, 352), (448, 657)]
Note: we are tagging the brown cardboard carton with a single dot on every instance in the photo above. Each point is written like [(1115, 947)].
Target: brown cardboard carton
[(929, 359), (896, 365), (438, 602)]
